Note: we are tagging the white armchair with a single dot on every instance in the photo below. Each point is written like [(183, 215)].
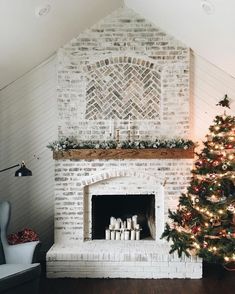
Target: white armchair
[(18, 273)]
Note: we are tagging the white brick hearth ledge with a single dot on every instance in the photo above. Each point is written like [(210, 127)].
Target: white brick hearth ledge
[(118, 259)]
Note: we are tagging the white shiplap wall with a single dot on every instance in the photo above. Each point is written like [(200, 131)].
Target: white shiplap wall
[(209, 84), (28, 121)]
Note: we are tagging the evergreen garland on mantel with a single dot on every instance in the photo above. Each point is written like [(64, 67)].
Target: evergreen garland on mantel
[(71, 143)]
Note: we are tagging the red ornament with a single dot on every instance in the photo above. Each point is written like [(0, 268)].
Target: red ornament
[(196, 229), (187, 216), (215, 163), (205, 244), (223, 233), (198, 163)]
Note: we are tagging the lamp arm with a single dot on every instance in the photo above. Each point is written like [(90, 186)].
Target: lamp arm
[(10, 167)]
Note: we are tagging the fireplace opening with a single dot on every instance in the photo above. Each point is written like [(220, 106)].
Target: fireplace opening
[(139, 210)]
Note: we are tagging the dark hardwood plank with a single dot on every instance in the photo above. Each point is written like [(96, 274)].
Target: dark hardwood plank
[(214, 282)]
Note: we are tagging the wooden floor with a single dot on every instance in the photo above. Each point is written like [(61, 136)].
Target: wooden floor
[(215, 281)]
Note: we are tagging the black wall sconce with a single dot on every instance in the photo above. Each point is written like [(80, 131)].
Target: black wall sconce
[(23, 171)]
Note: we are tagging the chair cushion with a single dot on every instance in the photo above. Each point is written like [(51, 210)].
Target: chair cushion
[(12, 275)]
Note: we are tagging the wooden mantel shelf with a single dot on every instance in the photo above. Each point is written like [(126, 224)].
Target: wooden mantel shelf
[(161, 153)]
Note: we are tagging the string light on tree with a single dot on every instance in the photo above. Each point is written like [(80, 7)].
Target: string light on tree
[(207, 210)]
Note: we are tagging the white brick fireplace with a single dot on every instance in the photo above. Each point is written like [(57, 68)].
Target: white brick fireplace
[(75, 254), (122, 68)]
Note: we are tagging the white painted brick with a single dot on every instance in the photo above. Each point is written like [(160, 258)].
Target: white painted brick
[(76, 181), (72, 261), (178, 275), (168, 57)]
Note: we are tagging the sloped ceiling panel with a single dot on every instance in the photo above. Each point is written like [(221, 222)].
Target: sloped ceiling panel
[(27, 40), (210, 36)]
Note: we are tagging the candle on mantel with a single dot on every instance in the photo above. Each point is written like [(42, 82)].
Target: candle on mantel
[(117, 135), (137, 134), (129, 123), (129, 128), (110, 128)]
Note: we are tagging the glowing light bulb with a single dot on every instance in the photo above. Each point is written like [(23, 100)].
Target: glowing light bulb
[(193, 197), (196, 245), (231, 156), (226, 258)]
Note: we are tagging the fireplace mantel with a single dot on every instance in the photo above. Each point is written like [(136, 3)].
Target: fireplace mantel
[(161, 153)]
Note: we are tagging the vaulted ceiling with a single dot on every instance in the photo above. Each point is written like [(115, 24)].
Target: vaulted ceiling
[(26, 40), (211, 36)]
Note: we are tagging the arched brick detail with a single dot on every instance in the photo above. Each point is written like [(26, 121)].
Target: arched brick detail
[(121, 173), (141, 61), (122, 87), (150, 184)]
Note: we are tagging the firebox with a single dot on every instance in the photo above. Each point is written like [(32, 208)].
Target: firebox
[(123, 208)]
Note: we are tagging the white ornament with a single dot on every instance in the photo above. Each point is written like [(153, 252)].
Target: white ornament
[(231, 208), (224, 166)]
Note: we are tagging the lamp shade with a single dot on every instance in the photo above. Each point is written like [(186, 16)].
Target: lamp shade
[(23, 171)]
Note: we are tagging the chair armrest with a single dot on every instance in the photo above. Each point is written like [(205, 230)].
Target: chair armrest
[(20, 253)]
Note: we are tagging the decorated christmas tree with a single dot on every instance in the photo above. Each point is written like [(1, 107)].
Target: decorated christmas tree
[(204, 222)]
